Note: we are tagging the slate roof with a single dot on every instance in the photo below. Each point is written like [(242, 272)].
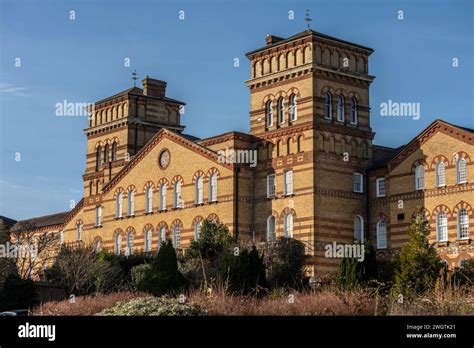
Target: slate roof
[(44, 221)]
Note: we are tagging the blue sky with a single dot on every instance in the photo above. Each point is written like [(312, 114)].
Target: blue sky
[(82, 60)]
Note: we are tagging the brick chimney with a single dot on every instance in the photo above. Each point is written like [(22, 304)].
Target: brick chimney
[(153, 88)]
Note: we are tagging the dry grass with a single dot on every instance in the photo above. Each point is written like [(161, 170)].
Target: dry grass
[(85, 305)]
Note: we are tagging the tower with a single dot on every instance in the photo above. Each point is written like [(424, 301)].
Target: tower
[(120, 125), (309, 105)]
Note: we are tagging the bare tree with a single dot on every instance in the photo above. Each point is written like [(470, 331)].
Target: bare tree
[(33, 249)]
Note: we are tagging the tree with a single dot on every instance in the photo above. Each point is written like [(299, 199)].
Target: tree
[(18, 293), (419, 264), (164, 276), (34, 249)]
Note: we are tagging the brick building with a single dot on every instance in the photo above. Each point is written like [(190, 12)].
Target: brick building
[(318, 176)]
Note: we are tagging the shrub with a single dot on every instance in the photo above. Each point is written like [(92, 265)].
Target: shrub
[(285, 261), (465, 275), (153, 306), (19, 293), (244, 272), (164, 276), (419, 264), (138, 274)]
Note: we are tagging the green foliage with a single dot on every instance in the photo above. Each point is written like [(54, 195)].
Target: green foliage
[(464, 275), (285, 261), (244, 272), (152, 306), (18, 293), (214, 240), (419, 264), (164, 276), (352, 272), (138, 274)]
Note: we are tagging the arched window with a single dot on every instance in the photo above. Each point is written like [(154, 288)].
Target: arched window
[(114, 151), (91, 190), (213, 188), (106, 153), (281, 110), (278, 148), (288, 146), (440, 174), (130, 243), (293, 109), (163, 197), (381, 234), (461, 171), (118, 243), (340, 108), (118, 205), (463, 224), (442, 226), (358, 228), (271, 231), (353, 111), (98, 158), (197, 230), (177, 195), (328, 106), (299, 143), (79, 231), (148, 240), (420, 177), (161, 236), (288, 226), (176, 237), (149, 199), (131, 203), (199, 190), (98, 245), (269, 113)]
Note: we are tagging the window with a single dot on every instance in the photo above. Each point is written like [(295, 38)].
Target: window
[(106, 153), (79, 231), (353, 111), (358, 228), (61, 237), (98, 216), (148, 240), (271, 185), (213, 188), (440, 174), (288, 226), (271, 232), (400, 217), (162, 236), (442, 226), (163, 197), (130, 243), (463, 224), (381, 234), (114, 151), (98, 245), (199, 190), (118, 205), (131, 203), (461, 171), (340, 108), (98, 162), (197, 230), (328, 106), (118, 243), (269, 113), (420, 177), (149, 199), (293, 109), (380, 187), (176, 237), (288, 182), (358, 184), (281, 110), (177, 195)]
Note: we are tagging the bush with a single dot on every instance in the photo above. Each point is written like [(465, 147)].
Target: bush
[(18, 293), (138, 274), (465, 275), (351, 272), (243, 273), (285, 261), (152, 306), (164, 276)]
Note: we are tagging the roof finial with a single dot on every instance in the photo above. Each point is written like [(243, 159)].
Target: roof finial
[(308, 19), (134, 78)]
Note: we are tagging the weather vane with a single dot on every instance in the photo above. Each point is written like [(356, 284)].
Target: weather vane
[(308, 19), (134, 78)]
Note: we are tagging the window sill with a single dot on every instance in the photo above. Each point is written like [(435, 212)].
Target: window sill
[(382, 196), (149, 213), (442, 244), (213, 202), (464, 241)]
